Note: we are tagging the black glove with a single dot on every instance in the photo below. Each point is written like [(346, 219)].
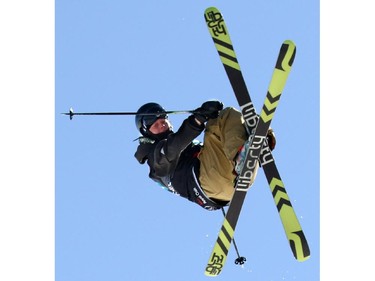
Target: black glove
[(208, 110), (271, 139)]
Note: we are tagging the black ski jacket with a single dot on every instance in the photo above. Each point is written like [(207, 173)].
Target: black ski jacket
[(174, 164)]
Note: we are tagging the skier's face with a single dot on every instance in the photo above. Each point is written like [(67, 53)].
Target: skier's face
[(160, 126)]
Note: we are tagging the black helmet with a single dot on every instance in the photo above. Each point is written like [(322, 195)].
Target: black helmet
[(144, 120)]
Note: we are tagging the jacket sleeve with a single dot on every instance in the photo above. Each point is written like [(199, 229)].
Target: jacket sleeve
[(167, 152)]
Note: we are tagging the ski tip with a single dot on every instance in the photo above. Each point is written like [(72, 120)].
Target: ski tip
[(299, 245), (211, 9), (212, 12), (289, 42)]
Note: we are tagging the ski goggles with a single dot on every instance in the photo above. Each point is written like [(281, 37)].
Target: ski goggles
[(148, 120)]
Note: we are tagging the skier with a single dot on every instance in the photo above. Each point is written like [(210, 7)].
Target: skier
[(203, 173)]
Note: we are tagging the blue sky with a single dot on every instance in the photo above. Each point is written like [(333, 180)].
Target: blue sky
[(105, 219)]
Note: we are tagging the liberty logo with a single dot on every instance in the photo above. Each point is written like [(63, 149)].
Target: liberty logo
[(249, 114)]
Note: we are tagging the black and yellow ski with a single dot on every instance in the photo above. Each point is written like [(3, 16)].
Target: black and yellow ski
[(259, 150)]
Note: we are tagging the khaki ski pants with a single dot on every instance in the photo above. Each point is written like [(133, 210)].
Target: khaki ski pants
[(222, 139)]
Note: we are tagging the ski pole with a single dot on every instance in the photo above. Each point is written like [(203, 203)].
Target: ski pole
[(239, 260), (71, 113)]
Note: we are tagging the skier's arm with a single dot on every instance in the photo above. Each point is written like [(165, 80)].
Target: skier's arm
[(168, 151)]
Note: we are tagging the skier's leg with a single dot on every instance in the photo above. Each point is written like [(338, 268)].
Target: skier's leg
[(223, 137)]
